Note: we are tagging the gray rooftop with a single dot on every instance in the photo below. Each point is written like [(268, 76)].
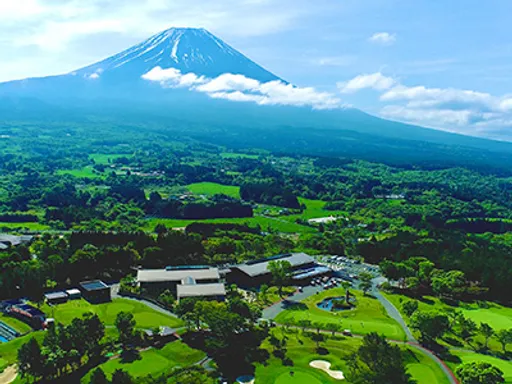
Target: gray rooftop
[(14, 240), (176, 275), (261, 268), (199, 290)]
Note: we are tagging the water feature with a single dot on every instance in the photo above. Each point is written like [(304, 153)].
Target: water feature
[(245, 379), (7, 333), (328, 304)]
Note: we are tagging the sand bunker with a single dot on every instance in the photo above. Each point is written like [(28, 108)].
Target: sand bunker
[(8, 375), (325, 366)]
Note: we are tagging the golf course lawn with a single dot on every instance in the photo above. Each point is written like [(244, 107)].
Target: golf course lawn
[(153, 361), (15, 324), (145, 316), (302, 350), (468, 357), (497, 316), (210, 189), (9, 351), (367, 316)]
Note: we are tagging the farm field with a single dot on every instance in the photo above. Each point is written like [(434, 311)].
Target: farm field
[(85, 172), (302, 350), (368, 315), (153, 361), (107, 312), (102, 158), (28, 226)]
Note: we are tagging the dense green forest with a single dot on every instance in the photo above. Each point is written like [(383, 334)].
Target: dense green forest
[(90, 178)]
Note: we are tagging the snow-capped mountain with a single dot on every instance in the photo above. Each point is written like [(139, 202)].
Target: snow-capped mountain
[(187, 49)]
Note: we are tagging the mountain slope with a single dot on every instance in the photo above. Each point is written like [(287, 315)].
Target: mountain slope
[(186, 49), (114, 89)]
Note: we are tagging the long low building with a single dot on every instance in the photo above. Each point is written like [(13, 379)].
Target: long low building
[(183, 281), (256, 273)]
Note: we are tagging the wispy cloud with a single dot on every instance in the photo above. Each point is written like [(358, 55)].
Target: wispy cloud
[(383, 38), (243, 89), (375, 81)]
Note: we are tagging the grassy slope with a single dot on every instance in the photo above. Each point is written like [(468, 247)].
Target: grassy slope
[(85, 172), (101, 158), (16, 324), (368, 316), (468, 357), (301, 350), (497, 316), (144, 316), (154, 361), (31, 226), (9, 351)]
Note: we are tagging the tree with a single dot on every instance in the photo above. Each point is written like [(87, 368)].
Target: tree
[(264, 293), (281, 272), (125, 324), (431, 324), (30, 359), (304, 323), (504, 336), (121, 377), (365, 283), (478, 372), (333, 327), (377, 361), (98, 377), (410, 306), (487, 332), (449, 283)]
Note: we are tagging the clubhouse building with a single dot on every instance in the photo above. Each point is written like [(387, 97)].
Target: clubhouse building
[(184, 281), (257, 272)]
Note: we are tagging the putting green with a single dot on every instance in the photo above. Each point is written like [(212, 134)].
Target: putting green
[(297, 378), (498, 318)]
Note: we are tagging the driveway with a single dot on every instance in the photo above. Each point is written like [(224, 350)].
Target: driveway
[(271, 312)]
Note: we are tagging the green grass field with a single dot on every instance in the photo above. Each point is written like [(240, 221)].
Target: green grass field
[(301, 350), (29, 226), (264, 222), (210, 189), (15, 324), (497, 316), (468, 357), (230, 155), (9, 351), (107, 312), (101, 158), (368, 316), (153, 361), (85, 172)]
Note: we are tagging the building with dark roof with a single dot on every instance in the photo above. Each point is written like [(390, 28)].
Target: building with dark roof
[(256, 273), (8, 241), (56, 297), (183, 281), (95, 291)]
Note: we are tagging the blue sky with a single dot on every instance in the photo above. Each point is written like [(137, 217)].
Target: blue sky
[(439, 63)]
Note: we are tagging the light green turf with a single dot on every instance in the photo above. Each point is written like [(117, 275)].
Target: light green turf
[(229, 155), (9, 351), (210, 189), (85, 172), (101, 158), (145, 316), (368, 316), (154, 361), (263, 222), (31, 226), (468, 357), (314, 209), (302, 350), (16, 324)]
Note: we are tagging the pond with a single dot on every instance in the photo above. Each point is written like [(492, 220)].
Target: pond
[(328, 304)]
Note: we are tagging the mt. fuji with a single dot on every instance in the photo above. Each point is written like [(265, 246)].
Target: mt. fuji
[(186, 49)]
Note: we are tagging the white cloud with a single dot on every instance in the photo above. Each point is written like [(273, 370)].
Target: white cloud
[(375, 81), (173, 78), (384, 38), (452, 109), (239, 88)]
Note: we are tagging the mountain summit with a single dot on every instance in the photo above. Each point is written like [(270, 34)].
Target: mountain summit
[(187, 49)]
